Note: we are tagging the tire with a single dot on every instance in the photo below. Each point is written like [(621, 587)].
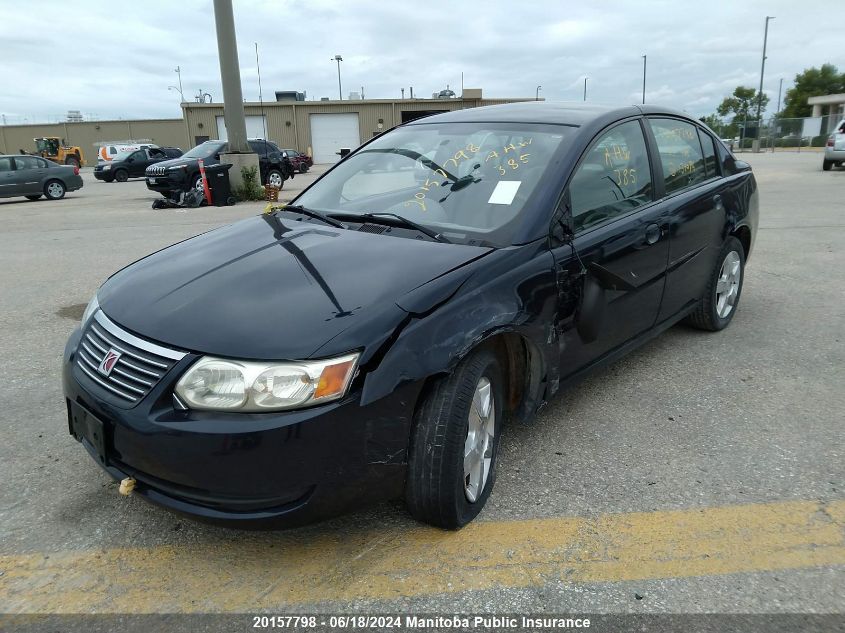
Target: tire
[(38, 197), (198, 183), (275, 179), (121, 175), (72, 160), (826, 165), (55, 190), (711, 313), (303, 168), (438, 489)]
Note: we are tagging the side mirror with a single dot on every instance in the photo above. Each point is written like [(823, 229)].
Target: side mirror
[(284, 154), (741, 165), (217, 157), (130, 160)]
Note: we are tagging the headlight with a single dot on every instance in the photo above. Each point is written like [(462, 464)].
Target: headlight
[(106, 167), (175, 167), (229, 385), (93, 306)]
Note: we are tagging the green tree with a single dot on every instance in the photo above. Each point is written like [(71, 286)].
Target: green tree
[(713, 121), (742, 104), (813, 82)]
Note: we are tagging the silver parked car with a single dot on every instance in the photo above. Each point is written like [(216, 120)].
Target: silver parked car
[(33, 177), (834, 150)]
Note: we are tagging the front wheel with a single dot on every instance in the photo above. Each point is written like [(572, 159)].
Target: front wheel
[(454, 444), (826, 165), (303, 168), (198, 184), (54, 190), (721, 297), (121, 175)]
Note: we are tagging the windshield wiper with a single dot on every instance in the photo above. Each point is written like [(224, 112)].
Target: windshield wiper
[(410, 224), (297, 208)]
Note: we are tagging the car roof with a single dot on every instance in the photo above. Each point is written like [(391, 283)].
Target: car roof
[(572, 113)]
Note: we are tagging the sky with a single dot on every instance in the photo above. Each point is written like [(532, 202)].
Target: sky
[(116, 59)]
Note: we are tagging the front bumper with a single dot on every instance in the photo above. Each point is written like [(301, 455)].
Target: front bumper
[(167, 182), (103, 174), (265, 470)]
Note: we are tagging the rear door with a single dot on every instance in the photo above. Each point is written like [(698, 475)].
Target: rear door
[(30, 174), (612, 275), (8, 178), (692, 191)]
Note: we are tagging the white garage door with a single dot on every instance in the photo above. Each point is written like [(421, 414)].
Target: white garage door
[(330, 132), (255, 126)]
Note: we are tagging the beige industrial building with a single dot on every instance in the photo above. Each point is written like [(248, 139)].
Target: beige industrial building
[(320, 128)]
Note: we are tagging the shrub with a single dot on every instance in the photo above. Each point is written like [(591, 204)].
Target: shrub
[(250, 189)]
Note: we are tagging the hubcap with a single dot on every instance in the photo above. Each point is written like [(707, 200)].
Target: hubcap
[(55, 189), (198, 185), (478, 447), (275, 180), (727, 287)]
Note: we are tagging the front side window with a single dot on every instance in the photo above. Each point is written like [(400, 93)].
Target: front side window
[(680, 153), (204, 150), (469, 181), (613, 177)]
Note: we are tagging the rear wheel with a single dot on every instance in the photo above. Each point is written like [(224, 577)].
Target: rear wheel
[(54, 190), (38, 197), (303, 168), (454, 444), (721, 297), (121, 175), (826, 165)]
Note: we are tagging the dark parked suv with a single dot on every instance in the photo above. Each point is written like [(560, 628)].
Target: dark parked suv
[(133, 164), (183, 173)]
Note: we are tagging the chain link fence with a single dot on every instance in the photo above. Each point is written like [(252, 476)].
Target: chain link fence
[(799, 134)]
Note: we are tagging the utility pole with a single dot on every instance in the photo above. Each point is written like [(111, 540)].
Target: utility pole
[(362, 93), (230, 76), (537, 93), (777, 112), (585, 88), (645, 59), (338, 59), (403, 93), (762, 70)]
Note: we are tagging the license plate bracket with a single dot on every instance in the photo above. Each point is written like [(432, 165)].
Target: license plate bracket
[(85, 426)]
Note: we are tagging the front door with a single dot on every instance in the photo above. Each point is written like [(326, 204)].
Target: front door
[(612, 273), (137, 163)]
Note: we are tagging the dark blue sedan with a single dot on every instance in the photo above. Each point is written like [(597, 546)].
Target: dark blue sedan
[(369, 341)]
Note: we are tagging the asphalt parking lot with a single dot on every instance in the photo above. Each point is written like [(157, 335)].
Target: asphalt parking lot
[(702, 473)]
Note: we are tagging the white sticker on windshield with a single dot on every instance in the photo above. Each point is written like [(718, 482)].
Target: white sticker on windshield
[(505, 192)]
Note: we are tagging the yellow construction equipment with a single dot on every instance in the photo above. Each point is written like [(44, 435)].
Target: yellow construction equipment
[(53, 148)]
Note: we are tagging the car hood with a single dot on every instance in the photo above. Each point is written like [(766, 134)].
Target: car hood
[(272, 288)]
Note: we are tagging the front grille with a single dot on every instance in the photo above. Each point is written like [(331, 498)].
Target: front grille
[(155, 170), (140, 366)]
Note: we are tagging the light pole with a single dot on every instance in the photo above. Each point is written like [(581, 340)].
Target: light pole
[(585, 88), (762, 70), (645, 59), (179, 90), (338, 59), (178, 72), (537, 93)]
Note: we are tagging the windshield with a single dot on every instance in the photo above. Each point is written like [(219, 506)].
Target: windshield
[(467, 181), (205, 150), (123, 155)]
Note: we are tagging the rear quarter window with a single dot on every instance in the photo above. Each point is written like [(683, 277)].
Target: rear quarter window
[(680, 153)]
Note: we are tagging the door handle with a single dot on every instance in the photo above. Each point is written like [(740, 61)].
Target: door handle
[(652, 234)]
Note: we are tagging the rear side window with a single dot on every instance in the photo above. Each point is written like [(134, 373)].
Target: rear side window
[(6, 164), (709, 154), (680, 153), (612, 179), (29, 162)]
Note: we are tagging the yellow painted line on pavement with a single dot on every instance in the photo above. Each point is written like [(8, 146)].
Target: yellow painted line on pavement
[(291, 568)]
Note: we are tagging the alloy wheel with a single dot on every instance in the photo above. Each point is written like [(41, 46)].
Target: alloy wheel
[(727, 286), (478, 447)]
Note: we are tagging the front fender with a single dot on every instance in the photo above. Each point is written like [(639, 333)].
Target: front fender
[(511, 290)]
